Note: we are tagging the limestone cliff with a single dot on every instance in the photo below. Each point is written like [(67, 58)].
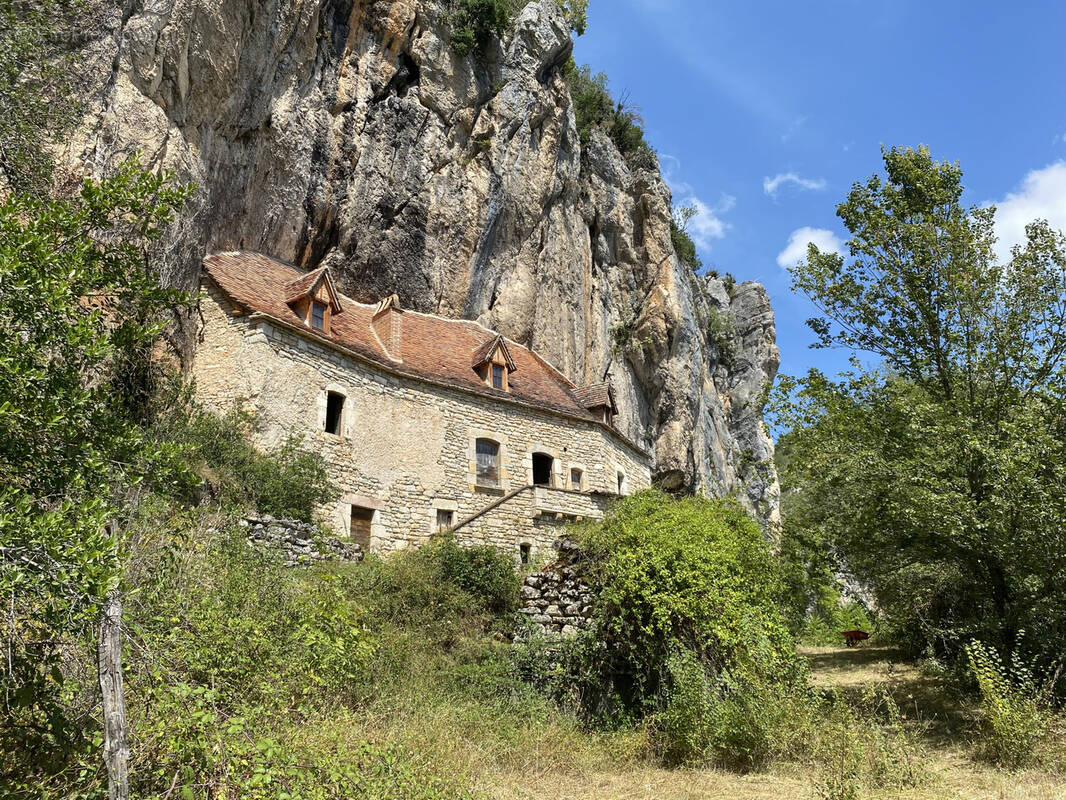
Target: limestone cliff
[(349, 134)]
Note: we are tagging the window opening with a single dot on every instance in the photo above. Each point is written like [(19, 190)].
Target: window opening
[(542, 469), (334, 409), (318, 316), (621, 483), (362, 518), (575, 478), (497, 376), (525, 550), (488, 462), (445, 520)]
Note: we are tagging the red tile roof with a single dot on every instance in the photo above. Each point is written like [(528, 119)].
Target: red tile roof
[(597, 395), (434, 348)]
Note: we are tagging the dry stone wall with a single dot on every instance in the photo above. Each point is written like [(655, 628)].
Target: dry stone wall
[(556, 601), (299, 543)]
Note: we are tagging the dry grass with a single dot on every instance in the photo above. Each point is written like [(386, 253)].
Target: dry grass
[(951, 773)]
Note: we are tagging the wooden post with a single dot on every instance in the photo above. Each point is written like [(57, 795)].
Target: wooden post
[(109, 664)]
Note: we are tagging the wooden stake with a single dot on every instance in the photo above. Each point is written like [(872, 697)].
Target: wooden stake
[(109, 663)]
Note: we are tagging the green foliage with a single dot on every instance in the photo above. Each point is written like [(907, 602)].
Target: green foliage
[(685, 248), (576, 13), (722, 334), (79, 317), (474, 23), (1014, 719), (290, 480), (683, 575), (594, 108), (36, 103), (936, 477)]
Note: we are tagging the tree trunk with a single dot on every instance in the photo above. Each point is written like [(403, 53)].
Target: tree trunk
[(109, 663)]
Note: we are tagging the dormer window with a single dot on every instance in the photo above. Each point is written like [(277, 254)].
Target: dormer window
[(493, 364), (314, 300)]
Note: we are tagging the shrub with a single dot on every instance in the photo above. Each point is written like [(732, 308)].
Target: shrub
[(682, 575), (595, 108), (685, 248), (1014, 720), (474, 22), (289, 481)]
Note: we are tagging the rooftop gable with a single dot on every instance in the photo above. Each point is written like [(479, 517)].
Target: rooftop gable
[(484, 353), (306, 285)]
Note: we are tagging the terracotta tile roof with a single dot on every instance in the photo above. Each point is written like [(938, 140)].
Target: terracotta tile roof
[(435, 348), (597, 395)]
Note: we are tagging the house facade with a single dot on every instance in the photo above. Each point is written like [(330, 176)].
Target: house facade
[(426, 423)]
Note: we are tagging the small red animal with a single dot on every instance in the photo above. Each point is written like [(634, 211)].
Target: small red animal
[(852, 638)]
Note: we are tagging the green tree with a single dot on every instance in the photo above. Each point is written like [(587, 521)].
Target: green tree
[(680, 217), (35, 77), (937, 474), (78, 309)]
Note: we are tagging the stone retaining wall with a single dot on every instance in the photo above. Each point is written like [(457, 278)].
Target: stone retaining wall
[(299, 543), (556, 601)]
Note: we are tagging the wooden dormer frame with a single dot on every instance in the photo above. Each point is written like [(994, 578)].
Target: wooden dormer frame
[(311, 291), (493, 360)]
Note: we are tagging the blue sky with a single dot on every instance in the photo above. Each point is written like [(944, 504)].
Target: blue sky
[(764, 114)]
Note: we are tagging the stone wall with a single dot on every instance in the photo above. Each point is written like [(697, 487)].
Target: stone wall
[(299, 543), (555, 600), (406, 447)]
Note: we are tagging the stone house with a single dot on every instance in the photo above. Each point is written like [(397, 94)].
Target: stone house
[(426, 423)]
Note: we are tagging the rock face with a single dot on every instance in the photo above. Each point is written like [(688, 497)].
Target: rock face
[(348, 134)]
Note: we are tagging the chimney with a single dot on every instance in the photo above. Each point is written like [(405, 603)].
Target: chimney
[(388, 325)]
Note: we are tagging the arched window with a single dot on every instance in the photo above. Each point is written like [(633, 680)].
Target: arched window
[(488, 462)]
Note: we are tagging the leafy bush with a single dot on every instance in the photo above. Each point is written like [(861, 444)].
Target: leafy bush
[(474, 22), (673, 577), (289, 481), (1014, 720), (595, 108), (685, 248)]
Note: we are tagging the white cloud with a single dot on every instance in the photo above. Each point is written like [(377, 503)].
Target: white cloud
[(773, 185), (796, 249), (1042, 195), (707, 224)]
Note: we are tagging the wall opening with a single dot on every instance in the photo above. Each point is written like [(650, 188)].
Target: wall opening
[(525, 552), (445, 520), (488, 462), (334, 410), (621, 482), (575, 478), (542, 469), (362, 519)]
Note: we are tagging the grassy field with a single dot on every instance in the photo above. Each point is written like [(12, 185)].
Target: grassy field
[(942, 724)]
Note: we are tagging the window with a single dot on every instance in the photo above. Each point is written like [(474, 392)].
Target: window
[(575, 478), (524, 551), (488, 463), (497, 376), (334, 409), (621, 482), (362, 519), (318, 316), (542, 469), (445, 520)]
